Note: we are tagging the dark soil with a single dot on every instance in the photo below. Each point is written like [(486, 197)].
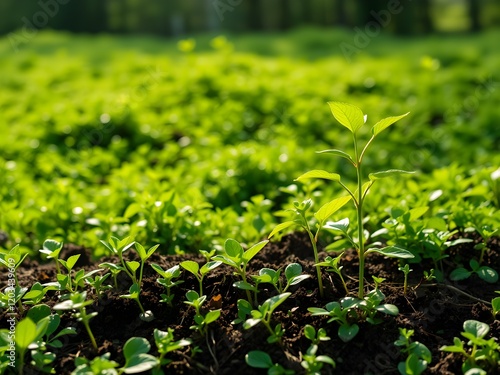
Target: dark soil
[(435, 311)]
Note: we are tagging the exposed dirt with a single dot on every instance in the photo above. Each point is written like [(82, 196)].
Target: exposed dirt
[(435, 311)]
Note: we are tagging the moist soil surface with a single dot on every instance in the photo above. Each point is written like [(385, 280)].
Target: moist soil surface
[(436, 311)]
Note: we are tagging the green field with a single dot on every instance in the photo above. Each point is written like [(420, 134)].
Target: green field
[(130, 136)]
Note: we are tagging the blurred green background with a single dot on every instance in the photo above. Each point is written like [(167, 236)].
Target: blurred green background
[(178, 17)]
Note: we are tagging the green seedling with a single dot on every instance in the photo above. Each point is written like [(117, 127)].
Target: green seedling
[(495, 306), (77, 302), (260, 359), (12, 296), (137, 360), (144, 255), (333, 266), (66, 280), (52, 249), (208, 254), (166, 344), (244, 310), (351, 309), (429, 275), (167, 281), (406, 271), (98, 283), (418, 355), (436, 243), (293, 275), (134, 293), (42, 312), (102, 365), (313, 363), (353, 119), (486, 273), (26, 333), (486, 233), (114, 269), (302, 219), (481, 356), (198, 272), (42, 361), (119, 247), (263, 315), (12, 260), (233, 255), (201, 321)]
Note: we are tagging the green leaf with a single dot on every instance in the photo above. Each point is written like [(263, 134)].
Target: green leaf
[(292, 270), (133, 265), (388, 173), (25, 333), (318, 173), (310, 332), (253, 251), (258, 359), (38, 312), (191, 266), (385, 123), (459, 274), (488, 274), (330, 208), (348, 115), (281, 227), (135, 345), (70, 263), (478, 329), (340, 153), (388, 309), (495, 304), (212, 316), (233, 248), (325, 359), (393, 252), (341, 225), (348, 332), (209, 266), (140, 363)]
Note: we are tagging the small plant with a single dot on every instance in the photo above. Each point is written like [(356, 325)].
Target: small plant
[(333, 266), (353, 119), (52, 249), (260, 359), (293, 275), (78, 301), (27, 332), (418, 355), (166, 344), (201, 320), (198, 272), (137, 360), (98, 283), (134, 293), (406, 271), (119, 247), (481, 355), (486, 233), (65, 281), (233, 255), (263, 315), (351, 310), (313, 363), (167, 281), (486, 273)]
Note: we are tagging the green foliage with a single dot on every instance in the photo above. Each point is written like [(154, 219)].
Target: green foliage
[(263, 315), (201, 319), (351, 310), (486, 273), (198, 272), (480, 355), (167, 281), (166, 344), (418, 355), (77, 301), (260, 359)]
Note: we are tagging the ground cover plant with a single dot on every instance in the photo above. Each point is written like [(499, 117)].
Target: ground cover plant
[(139, 243)]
